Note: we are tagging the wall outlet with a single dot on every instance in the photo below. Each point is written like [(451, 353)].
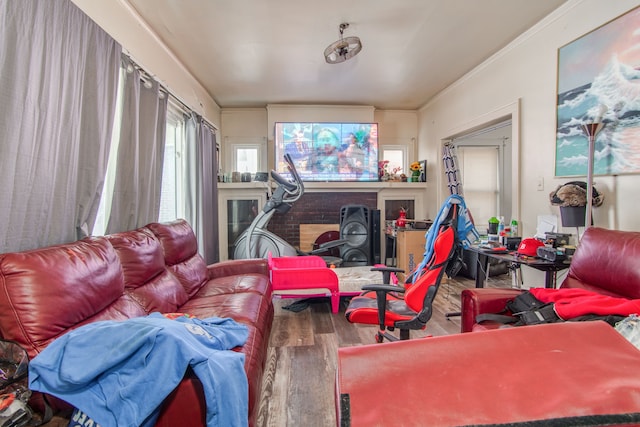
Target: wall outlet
[(540, 183)]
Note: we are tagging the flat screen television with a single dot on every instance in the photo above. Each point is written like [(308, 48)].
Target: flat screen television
[(328, 152)]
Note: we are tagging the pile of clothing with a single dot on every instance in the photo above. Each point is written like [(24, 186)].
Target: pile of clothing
[(574, 193)]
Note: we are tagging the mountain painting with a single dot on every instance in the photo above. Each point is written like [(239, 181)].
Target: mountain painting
[(599, 81)]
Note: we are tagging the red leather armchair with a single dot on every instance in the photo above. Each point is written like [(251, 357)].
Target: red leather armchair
[(606, 261)]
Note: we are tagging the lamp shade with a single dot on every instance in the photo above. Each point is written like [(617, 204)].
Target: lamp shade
[(573, 216)]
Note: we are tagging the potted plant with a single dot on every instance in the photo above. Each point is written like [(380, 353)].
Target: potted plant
[(572, 199), (416, 168)]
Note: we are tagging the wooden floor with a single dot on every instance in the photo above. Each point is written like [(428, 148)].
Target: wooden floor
[(298, 386)]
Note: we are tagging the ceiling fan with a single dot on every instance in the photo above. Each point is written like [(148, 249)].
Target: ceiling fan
[(343, 49)]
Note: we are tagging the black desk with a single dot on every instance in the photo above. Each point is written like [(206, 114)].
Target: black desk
[(549, 267)]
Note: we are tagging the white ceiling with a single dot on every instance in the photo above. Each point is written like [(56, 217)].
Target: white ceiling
[(250, 53)]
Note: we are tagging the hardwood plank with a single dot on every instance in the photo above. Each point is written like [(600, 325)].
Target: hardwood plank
[(291, 329), (322, 318), (312, 383), (298, 386), (275, 387), (271, 388)]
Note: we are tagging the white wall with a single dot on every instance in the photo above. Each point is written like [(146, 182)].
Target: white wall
[(397, 126), (524, 74), (141, 44)]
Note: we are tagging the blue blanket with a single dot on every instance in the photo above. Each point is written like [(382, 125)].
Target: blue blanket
[(119, 372)]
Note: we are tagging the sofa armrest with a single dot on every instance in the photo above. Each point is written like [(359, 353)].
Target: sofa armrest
[(239, 266), (483, 300)]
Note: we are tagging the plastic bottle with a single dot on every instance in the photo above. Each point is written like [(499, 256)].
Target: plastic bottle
[(501, 236), (514, 228)]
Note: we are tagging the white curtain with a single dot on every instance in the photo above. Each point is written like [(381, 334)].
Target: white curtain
[(58, 82), (137, 187), (202, 188)]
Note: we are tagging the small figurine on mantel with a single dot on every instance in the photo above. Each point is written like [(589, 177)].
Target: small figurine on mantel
[(385, 175)]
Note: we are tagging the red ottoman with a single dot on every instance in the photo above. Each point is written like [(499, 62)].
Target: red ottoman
[(582, 373)]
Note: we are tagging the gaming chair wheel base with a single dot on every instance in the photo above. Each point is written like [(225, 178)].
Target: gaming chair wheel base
[(382, 335)]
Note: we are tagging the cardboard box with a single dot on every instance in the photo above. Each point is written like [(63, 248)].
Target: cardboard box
[(409, 249)]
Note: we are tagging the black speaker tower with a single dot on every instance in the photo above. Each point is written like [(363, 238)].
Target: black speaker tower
[(360, 226)]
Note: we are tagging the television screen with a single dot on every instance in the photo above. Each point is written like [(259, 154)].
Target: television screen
[(329, 152)]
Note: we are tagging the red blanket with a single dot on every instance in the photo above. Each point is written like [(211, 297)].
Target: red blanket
[(571, 303)]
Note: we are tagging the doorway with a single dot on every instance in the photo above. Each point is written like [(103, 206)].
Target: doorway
[(484, 159)]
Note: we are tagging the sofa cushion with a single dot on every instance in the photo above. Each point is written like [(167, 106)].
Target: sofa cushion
[(146, 278), (249, 308), (250, 282), (45, 292), (181, 256)]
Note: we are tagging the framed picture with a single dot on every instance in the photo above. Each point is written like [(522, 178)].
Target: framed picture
[(423, 171), (599, 81)]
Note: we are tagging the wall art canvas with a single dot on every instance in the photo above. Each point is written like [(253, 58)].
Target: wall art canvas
[(599, 75)]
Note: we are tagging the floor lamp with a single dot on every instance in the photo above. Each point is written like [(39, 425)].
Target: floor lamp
[(591, 130)]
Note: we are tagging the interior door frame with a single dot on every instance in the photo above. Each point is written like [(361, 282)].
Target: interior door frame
[(511, 112)]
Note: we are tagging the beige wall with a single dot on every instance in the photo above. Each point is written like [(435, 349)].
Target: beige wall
[(398, 127), (146, 50), (524, 75), (257, 124)]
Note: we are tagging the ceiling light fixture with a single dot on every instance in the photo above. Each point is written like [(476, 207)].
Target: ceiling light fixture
[(343, 49)]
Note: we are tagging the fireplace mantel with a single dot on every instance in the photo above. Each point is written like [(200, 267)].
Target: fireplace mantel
[(332, 186)]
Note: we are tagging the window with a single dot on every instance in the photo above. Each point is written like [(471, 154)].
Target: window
[(246, 158), (100, 226), (397, 155), (243, 154), (480, 180), (172, 200)]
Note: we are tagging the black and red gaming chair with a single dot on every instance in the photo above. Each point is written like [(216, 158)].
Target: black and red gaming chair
[(407, 307)]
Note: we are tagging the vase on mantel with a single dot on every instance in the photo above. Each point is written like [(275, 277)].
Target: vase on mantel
[(402, 219)]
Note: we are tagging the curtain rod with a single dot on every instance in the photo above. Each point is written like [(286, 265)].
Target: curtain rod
[(172, 97)]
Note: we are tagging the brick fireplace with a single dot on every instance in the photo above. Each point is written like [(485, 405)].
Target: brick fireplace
[(317, 208), (320, 205)]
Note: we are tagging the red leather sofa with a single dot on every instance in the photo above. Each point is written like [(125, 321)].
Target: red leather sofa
[(46, 292), (606, 261)]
